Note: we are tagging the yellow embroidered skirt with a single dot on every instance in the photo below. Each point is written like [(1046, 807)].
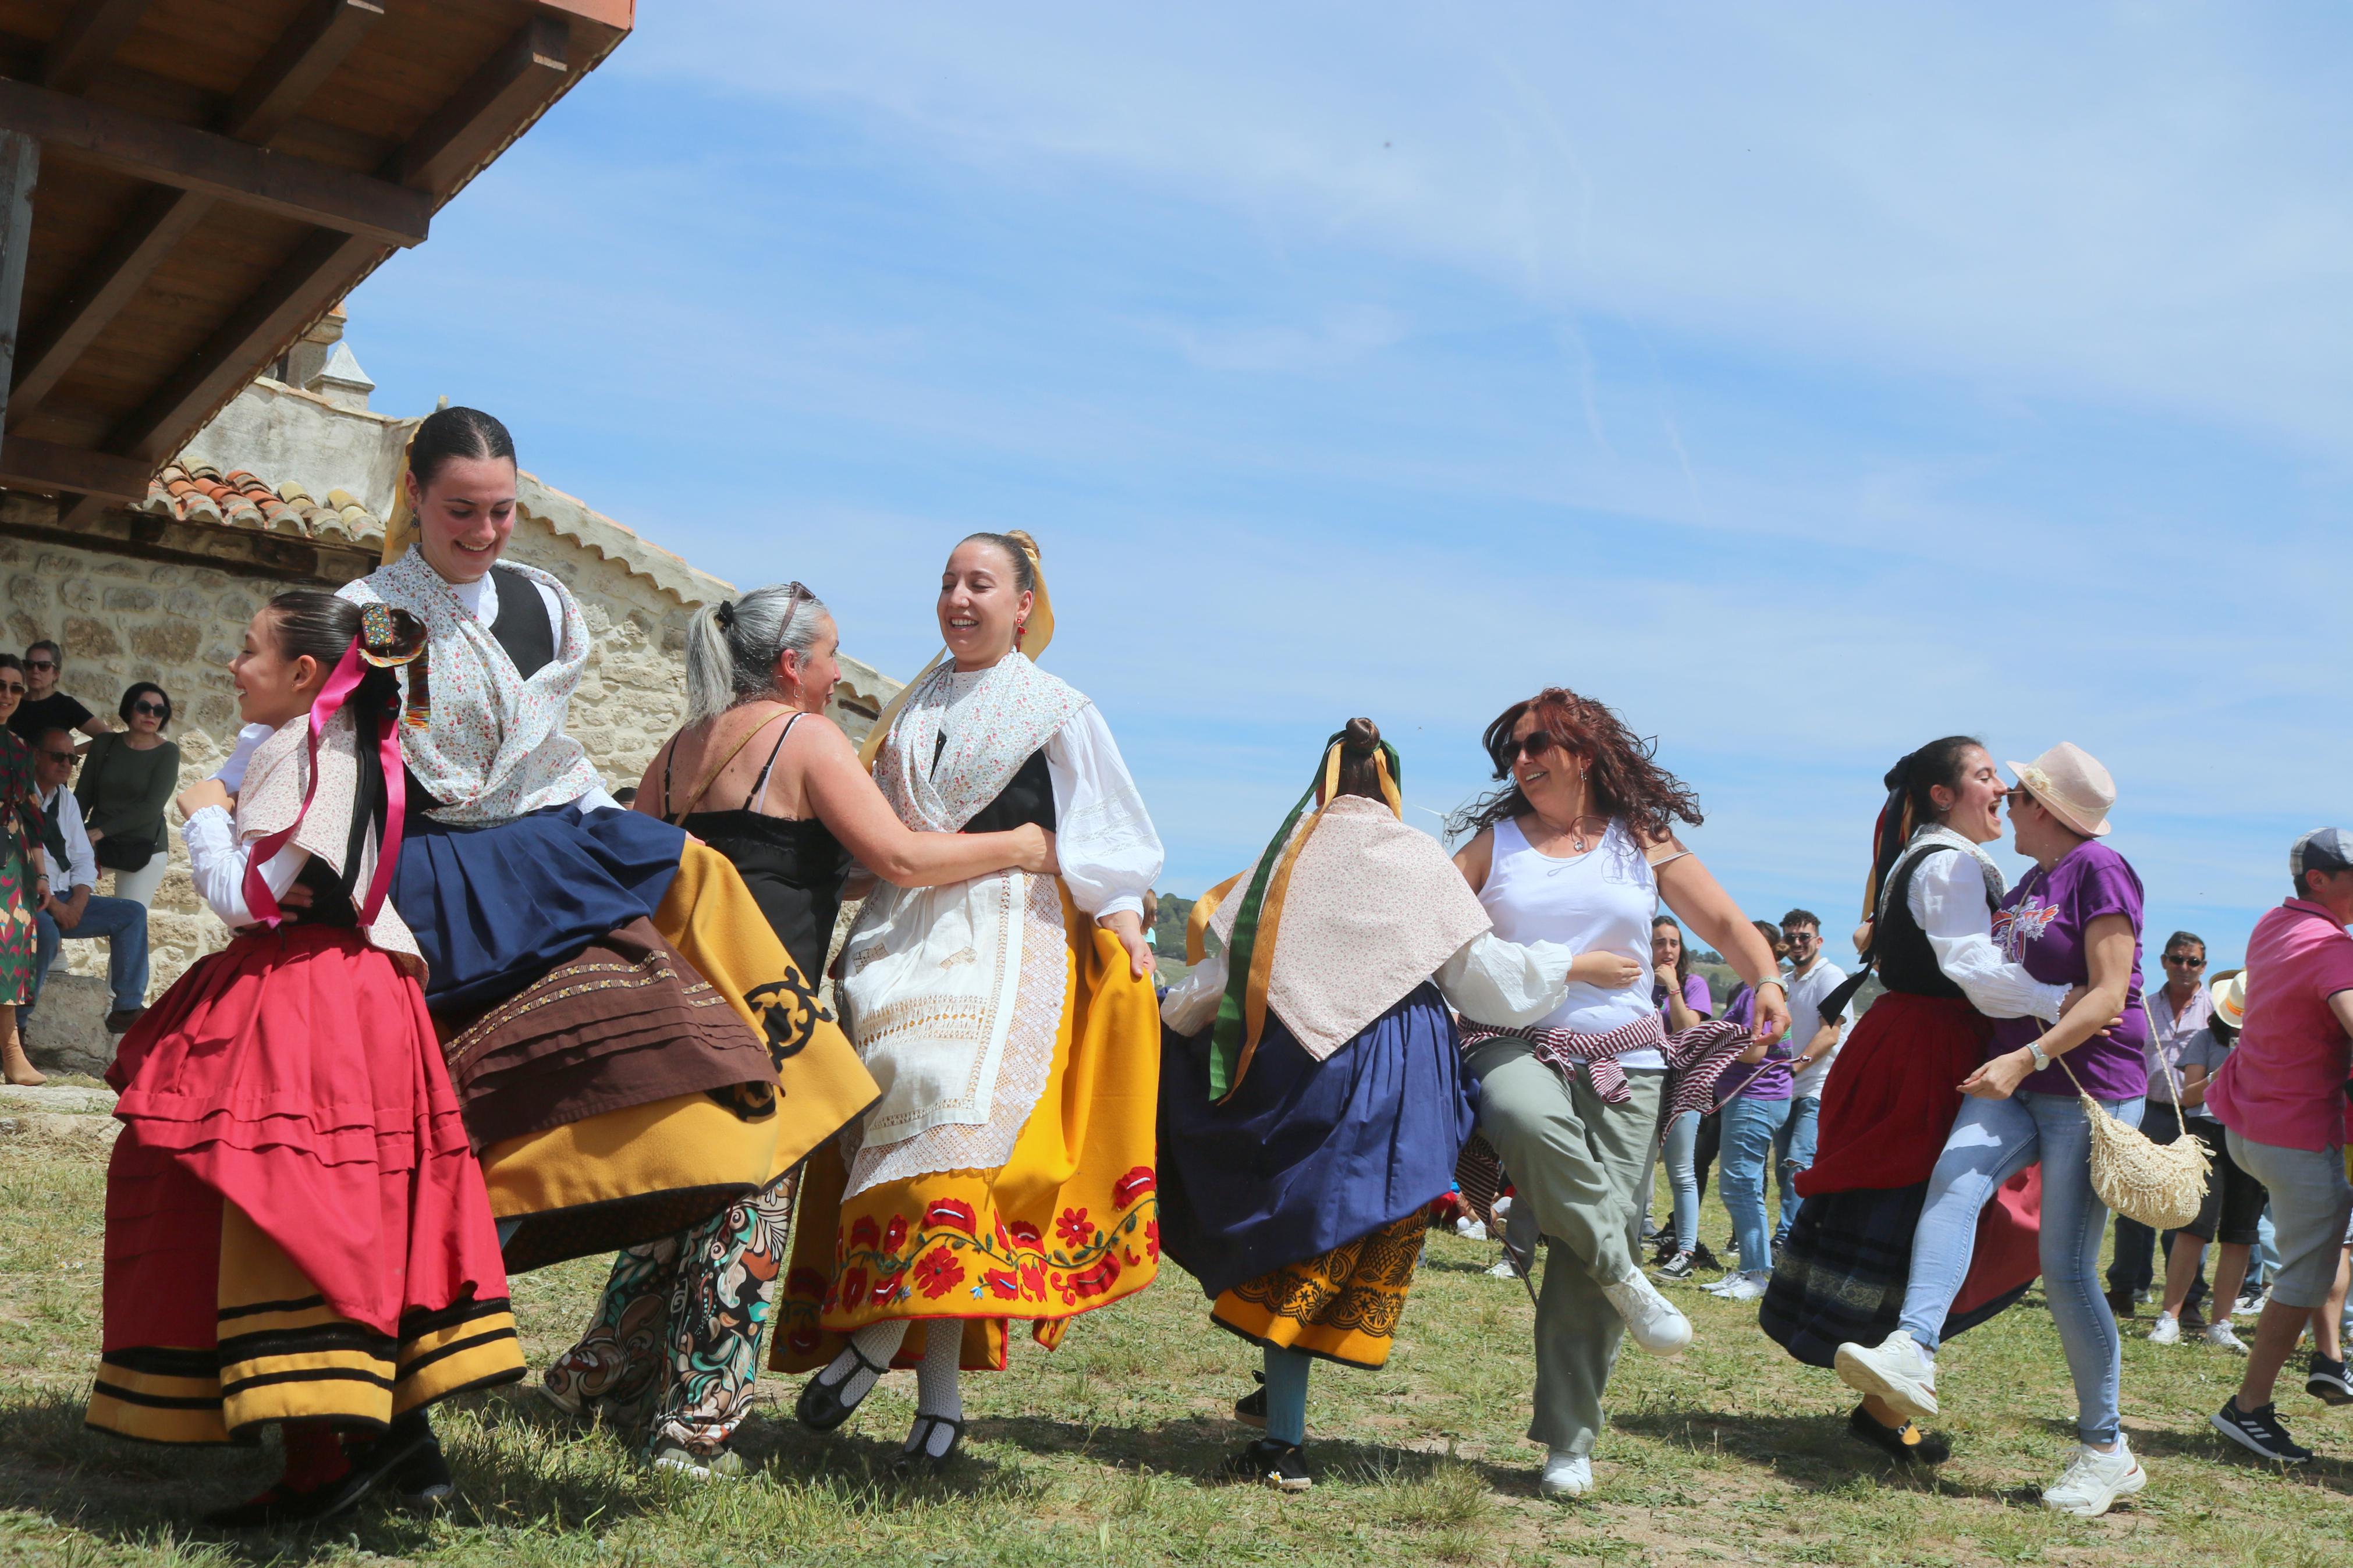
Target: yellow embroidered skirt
[(1069, 1224), (619, 1177), (1342, 1305)]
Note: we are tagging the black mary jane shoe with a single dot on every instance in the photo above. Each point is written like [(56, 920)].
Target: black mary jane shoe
[(371, 1465), (917, 1458), (1927, 1449), (1251, 1408), (1271, 1463), (821, 1408)]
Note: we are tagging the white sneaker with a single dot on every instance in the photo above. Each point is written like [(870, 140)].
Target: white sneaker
[(2167, 1331), (1470, 1229), (1504, 1270), (2092, 1481), (1649, 1317), (1748, 1287), (2222, 1335), (1567, 1475), (1723, 1287), (1897, 1370)]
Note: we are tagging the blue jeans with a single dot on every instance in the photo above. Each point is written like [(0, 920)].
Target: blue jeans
[(1682, 1178), (1751, 1128), (124, 923), (1795, 1144), (1992, 1141)]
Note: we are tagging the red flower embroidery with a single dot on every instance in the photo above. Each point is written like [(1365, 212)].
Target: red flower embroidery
[(1074, 1227), (1131, 1187), (864, 1231), (1033, 1279), (895, 1235), (1026, 1235), (1091, 1281), (1152, 1239), (853, 1287), (951, 1214), (1002, 1284), (804, 1339), (938, 1272), (804, 1284), (886, 1287)]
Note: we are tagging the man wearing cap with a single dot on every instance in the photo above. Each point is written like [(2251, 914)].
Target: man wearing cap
[(2280, 1097)]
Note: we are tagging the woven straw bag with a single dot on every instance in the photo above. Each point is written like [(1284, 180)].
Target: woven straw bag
[(2163, 1185)]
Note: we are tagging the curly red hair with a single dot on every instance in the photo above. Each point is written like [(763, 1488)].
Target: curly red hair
[(1620, 767)]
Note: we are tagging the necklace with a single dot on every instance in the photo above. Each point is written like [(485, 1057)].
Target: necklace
[(1577, 829)]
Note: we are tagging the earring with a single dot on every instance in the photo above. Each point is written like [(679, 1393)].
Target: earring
[(1020, 630)]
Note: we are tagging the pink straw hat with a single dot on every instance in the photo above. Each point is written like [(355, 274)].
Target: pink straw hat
[(2070, 782)]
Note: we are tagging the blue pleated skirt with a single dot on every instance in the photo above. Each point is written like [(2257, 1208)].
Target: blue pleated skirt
[(493, 909), (1307, 1155)]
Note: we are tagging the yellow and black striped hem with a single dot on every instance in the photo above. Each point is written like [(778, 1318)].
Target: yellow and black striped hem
[(158, 1394), (468, 1345)]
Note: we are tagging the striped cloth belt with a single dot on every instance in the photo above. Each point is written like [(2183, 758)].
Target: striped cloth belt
[(1696, 1057)]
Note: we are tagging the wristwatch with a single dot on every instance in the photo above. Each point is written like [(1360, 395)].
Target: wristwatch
[(2041, 1057)]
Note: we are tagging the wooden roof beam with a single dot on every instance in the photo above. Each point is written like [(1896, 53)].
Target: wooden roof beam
[(42, 466), (87, 40), (272, 93), (499, 98), (191, 159)]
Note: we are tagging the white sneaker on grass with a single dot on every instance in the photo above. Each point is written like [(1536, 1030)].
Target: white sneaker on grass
[(1650, 1318), (1747, 1287), (1723, 1287), (2220, 1334), (1896, 1369), (2092, 1481), (2166, 1332), (1567, 1475)]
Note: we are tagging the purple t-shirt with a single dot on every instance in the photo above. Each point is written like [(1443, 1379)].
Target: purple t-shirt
[(2040, 925), (1767, 1079), (1696, 996)]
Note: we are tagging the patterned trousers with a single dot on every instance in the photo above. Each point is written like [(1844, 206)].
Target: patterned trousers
[(675, 1341)]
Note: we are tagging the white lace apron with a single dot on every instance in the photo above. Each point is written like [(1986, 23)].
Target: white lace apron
[(935, 978), (497, 748)]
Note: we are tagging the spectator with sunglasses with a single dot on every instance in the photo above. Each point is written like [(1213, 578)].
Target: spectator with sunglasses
[(2176, 1010), (44, 706), (79, 914), (126, 780)]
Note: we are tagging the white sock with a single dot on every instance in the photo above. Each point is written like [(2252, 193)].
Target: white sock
[(878, 1343), (938, 1391)]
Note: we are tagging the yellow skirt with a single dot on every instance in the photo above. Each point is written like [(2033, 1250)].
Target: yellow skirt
[(1342, 1305), (622, 1177), (282, 1356), (1069, 1224)]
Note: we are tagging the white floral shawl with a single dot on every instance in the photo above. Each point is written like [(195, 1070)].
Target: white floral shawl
[(271, 799), (497, 748)]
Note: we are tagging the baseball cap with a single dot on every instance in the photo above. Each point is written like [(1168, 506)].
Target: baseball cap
[(2322, 849)]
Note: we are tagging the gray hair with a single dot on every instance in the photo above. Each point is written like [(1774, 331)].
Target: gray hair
[(732, 647)]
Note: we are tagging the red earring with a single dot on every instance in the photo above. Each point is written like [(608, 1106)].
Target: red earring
[(1020, 630)]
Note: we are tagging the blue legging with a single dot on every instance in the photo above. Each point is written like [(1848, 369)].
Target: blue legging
[(1286, 1393)]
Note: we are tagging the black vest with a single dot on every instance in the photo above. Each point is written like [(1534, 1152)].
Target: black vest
[(1029, 798), (522, 628), (1906, 962)]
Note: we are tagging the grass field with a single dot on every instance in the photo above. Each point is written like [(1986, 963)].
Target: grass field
[(1101, 1453)]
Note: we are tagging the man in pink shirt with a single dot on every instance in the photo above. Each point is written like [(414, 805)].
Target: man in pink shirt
[(2281, 1099)]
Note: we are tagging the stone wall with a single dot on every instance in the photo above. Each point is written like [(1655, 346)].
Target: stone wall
[(122, 620)]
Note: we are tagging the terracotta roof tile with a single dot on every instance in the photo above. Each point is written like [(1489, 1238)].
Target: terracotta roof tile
[(198, 492)]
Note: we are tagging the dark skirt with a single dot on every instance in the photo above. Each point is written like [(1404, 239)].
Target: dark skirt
[(1307, 1156), (1840, 1276), (495, 908)]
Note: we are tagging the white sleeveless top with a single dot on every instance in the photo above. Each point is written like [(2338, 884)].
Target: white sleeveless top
[(1603, 899)]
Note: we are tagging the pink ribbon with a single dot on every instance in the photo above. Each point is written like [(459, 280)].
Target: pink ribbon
[(259, 900)]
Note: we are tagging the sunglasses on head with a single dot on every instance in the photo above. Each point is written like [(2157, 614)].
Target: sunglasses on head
[(1530, 746), (2184, 960), (157, 709)]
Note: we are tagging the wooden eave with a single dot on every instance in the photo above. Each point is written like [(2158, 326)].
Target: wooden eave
[(216, 174), (145, 536)]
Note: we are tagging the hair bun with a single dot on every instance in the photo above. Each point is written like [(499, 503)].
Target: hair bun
[(1900, 775), (389, 636), (1360, 735)]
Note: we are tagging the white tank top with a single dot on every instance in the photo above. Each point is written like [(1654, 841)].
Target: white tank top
[(1601, 900)]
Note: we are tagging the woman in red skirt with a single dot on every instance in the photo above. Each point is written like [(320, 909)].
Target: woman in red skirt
[(296, 1228)]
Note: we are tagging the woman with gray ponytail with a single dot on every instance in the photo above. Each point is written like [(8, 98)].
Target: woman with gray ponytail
[(763, 777)]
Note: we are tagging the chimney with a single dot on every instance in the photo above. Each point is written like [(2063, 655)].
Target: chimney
[(342, 381), (303, 362)]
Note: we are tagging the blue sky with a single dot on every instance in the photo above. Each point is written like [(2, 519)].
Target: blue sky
[(1805, 383)]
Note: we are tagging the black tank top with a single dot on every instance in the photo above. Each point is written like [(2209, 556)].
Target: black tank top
[(1029, 798), (523, 627), (1906, 962), (795, 866)]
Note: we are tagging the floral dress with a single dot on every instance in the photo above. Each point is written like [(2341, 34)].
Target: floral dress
[(20, 830)]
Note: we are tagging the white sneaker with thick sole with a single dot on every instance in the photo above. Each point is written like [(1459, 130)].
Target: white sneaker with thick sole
[(1896, 1369), (1650, 1318), (2167, 1331), (1747, 1287), (1567, 1475), (2092, 1481), (2223, 1336)]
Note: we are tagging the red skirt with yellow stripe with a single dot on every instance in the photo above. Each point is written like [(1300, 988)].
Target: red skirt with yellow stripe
[(296, 1227)]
